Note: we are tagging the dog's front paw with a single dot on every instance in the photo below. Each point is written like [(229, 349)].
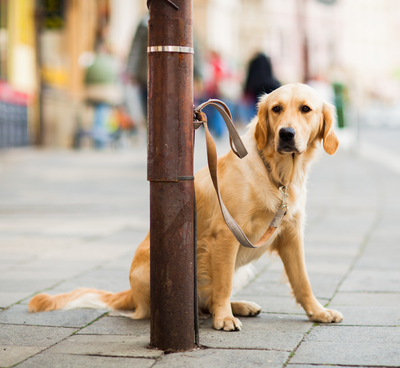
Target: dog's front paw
[(325, 316), (227, 324)]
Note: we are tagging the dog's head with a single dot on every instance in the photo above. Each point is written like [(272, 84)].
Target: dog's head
[(293, 118)]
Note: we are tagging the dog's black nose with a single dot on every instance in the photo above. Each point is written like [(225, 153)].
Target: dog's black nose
[(287, 134)]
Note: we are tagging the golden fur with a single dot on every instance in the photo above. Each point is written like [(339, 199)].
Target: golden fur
[(250, 192)]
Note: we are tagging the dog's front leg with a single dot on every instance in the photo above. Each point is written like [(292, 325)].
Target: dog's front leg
[(223, 256), (290, 249)]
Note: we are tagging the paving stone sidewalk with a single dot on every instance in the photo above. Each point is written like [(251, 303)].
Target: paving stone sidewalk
[(73, 219)]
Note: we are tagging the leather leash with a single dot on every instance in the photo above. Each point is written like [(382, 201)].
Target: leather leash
[(239, 149)]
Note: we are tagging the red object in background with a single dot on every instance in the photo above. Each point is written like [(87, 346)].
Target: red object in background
[(218, 71), (10, 95)]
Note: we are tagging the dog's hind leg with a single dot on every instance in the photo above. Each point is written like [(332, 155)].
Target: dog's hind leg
[(139, 278), (245, 309)]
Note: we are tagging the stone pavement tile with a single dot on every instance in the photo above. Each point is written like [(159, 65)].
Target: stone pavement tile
[(337, 238), (272, 283), (389, 215), (48, 360), (121, 263), (75, 266), (224, 358), (88, 251), (18, 315), (273, 304), (266, 331), (383, 246), (128, 237), (114, 280), (383, 261), (369, 316), (338, 201), (384, 255), (321, 264), (24, 285), (345, 222), (387, 230), (69, 227), (38, 274), (107, 345), (277, 304), (323, 285), (30, 242), (322, 248), (314, 216), (5, 237), (350, 201), (321, 366), (260, 265), (34, 224), (5, 267), (336, 222), (265, 288), (367, 281), (11, 259), (385, 236), (275, 265), (366, 299), (270, 276), (118, 326), (19, 342), (16, 335), (341, 345), (10, 355), (8, 298)]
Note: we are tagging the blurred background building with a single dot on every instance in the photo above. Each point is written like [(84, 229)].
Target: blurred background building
[(47, 46)]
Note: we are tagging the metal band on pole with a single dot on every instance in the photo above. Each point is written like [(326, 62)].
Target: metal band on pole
[(181, 49)]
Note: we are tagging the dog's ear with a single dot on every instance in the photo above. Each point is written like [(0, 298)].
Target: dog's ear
[(331, 142), (260, 133)]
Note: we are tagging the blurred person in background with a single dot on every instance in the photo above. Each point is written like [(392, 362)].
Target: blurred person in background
[(102, 90), (137, 71), (260, 80)]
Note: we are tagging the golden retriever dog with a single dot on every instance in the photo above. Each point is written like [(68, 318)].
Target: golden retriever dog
[(282, 141)]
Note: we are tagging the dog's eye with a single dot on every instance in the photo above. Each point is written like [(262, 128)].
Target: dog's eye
[(276, 109), (305, 109)]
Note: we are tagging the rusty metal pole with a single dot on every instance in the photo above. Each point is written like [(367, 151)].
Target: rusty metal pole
[(170, 172)]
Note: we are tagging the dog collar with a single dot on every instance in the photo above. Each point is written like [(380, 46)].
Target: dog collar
[(269, 171), (282, 188)]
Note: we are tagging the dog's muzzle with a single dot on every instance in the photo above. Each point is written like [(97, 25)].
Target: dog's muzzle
[(287, 142)]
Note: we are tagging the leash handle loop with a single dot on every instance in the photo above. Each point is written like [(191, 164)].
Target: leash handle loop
[(235, 141), (240, 151)]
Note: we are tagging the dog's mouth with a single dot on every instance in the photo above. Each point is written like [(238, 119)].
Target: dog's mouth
[(287, 141), (285, 148)]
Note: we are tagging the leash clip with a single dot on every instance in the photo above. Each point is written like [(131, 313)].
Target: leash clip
[(283, 205), (199, 118)]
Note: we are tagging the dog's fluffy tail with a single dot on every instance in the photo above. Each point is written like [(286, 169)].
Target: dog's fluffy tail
[(88, 298)]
